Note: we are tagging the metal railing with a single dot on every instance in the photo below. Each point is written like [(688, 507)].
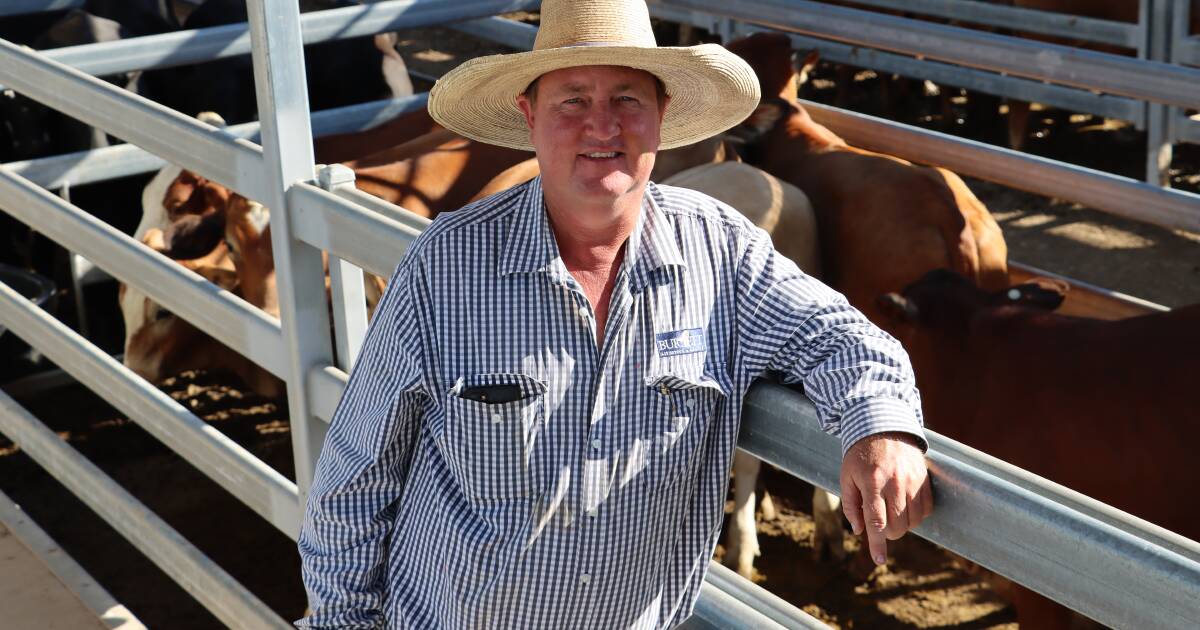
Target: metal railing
[(1160, 35), (1056, 537)]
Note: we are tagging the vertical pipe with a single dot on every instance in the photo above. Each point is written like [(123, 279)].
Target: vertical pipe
[(299, 272), (346, 284), (1156, 17)]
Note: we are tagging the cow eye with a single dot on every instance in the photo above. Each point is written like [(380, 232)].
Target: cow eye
[(162, 314)]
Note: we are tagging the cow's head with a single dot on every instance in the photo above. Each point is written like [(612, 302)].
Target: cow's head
[(947, 300), (157, 342), (781, 71)]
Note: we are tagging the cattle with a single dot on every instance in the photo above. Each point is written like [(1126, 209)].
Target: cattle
[(1102, 407), (785, 212), (882, 221)]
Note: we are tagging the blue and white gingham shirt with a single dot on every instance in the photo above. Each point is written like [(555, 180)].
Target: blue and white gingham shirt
[(596, 499)]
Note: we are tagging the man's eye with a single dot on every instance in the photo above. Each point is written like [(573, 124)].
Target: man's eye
[(573, 101)]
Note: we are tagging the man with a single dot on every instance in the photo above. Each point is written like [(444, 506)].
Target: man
[(539, 430)]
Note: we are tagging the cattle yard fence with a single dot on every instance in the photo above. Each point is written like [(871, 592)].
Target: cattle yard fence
[(1110, 566)]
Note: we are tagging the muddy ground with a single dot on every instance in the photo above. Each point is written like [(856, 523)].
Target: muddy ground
[(922, 588)]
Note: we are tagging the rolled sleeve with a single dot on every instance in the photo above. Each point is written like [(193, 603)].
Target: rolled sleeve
[(362, 469), (858, 377)]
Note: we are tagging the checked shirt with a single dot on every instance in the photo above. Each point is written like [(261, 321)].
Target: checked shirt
[(592, 496)]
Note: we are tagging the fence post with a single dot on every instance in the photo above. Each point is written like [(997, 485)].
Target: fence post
[(348, 293), (1156, 16), (279, 79)]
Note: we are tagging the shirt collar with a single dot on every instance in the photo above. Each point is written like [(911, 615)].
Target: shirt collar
[(531, 246)]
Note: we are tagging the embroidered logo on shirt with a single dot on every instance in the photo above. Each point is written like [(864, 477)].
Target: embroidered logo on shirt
[(678, 342)]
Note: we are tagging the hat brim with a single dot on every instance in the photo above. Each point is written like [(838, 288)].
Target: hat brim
[(711, 90)]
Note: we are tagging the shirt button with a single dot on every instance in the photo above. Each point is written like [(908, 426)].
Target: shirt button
[(496, 418), (592, 513), (583, 312), (584, 579), (691, 402), (596, 444)]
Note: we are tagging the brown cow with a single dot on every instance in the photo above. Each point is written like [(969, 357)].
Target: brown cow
[(1103, 407), (883, 221)]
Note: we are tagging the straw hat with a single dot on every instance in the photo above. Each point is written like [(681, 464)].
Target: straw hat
[(711, 89)]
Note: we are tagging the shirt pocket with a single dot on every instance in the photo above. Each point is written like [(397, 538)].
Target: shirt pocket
[(489, 446), (683, 409)]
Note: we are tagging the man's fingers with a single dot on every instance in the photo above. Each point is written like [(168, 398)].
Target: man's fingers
[(852, 505), (898, 511), (875, 513)]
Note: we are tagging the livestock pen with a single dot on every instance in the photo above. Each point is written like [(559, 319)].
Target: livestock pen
[(1110, 566)]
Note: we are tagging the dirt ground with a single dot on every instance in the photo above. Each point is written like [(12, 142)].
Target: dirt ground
[(923, 587)]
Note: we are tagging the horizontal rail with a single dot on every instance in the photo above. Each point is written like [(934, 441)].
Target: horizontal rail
[(1188, 129), (1108, 565), (123, 160), (163, 131), (1069, 98), (268, 493), (215, 589), (1087, 299), (325, 386), (219, 313), (374, 238), (767, 605), (25, 7), (1187, 51), (511, 33), (1074, 27), (179, 48), (1114, 74), (1113, 194)]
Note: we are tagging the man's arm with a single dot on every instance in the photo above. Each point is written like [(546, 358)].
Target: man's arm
[(858, 377), (363, 467)]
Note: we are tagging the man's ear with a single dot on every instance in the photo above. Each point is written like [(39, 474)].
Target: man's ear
[(526, 107)]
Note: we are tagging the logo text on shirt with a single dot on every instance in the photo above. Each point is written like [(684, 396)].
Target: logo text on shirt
[(678, 342)]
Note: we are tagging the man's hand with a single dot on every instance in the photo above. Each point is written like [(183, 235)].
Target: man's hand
[(885, 489)]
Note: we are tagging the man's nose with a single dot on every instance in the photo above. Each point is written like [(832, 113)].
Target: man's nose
[(602, 122)]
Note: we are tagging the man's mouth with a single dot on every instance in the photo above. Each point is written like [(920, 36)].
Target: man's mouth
[(601, 155)]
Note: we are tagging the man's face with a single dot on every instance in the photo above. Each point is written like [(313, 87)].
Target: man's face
[(595, 130)]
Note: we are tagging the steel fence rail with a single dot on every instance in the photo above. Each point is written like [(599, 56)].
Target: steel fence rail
[(25, 7), (1114, 74), (222, 315), (179, 48), (163, 131), (215, 589), (1113, 194), (232, 467), (123, 160), (1069, 98), (766, 603), (1020, 531), (368, 238), (325, 384), (511, 33), (1075, 27)]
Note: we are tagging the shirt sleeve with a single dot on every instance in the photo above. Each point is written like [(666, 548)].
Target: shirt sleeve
[(858, 376), (363, 466)]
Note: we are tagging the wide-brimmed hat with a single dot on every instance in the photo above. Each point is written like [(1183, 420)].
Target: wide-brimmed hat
[(711, 89)]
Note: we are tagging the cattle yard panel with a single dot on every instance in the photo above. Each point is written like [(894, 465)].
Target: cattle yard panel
[(1185, 49), (1114, 74), (25, 7), (1150, 37), (1108, 565), (220, 593), (123, 160), (967, 491)]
